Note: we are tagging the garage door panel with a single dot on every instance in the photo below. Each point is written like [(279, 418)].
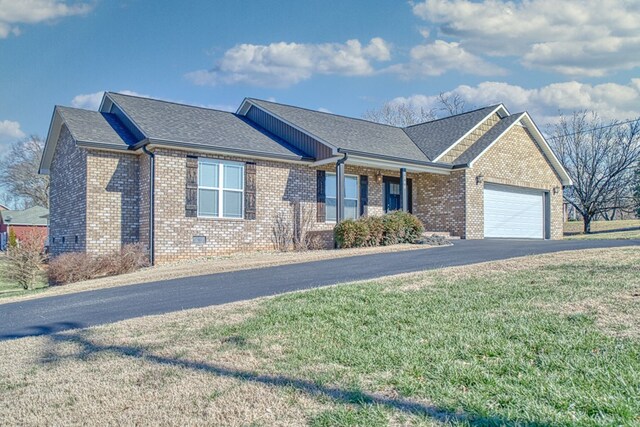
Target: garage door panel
[(513, 212)]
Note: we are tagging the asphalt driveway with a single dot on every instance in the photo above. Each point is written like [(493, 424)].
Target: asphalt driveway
[(57, 313)]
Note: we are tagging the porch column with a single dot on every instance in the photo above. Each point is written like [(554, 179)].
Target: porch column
[(404, 197), (339, 191)]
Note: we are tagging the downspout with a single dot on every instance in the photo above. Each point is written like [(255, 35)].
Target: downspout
[(152, 176)]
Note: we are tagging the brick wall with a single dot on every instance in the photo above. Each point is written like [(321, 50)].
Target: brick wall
[(67, 196), (517, 160), (440, 202), (113, 200), (280, 187)]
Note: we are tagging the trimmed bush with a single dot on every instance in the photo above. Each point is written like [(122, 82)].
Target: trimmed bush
[(390, 229), (413, 227), (351, 234), (376, 230), (78, 266)]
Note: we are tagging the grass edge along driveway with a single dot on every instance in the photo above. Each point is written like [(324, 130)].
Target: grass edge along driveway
[(543, 340)]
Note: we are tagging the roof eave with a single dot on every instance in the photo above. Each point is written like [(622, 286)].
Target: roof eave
[(401, 162), (53, 135), (223, 150)]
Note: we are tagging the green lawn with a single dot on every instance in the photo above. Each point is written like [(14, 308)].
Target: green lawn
[(618, 229), (551, 340), (503, 348)]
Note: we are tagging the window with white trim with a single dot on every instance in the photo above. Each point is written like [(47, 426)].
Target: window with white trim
[(220, 189), (350, 197)]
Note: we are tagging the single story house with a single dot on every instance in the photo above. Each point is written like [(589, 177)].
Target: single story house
[(23, 223), (188, 181)]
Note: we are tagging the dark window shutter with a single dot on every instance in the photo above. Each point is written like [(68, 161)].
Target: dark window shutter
[(364, 195), (191, 203), (321, 213), (250, 191)]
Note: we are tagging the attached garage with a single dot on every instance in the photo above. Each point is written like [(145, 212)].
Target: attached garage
[(514, 212)]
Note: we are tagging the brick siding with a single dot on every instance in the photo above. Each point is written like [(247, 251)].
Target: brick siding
[(68, 196), (113, 200)]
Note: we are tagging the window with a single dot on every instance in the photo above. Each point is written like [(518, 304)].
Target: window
[(350, 197), (220, 189)]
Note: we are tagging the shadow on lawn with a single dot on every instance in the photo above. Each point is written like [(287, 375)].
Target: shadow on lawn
[(89, 348)]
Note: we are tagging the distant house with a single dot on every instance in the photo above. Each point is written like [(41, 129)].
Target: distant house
[(187, 181), (23, 223), (3, 208)]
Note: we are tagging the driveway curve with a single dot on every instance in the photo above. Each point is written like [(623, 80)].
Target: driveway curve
[(49, 315)]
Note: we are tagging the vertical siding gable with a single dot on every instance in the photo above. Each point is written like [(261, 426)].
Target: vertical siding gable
[(298, 139)]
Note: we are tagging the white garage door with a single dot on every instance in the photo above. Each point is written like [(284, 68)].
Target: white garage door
[(513, 212)]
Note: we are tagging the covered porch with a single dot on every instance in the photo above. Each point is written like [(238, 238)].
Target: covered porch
[(354, 185)]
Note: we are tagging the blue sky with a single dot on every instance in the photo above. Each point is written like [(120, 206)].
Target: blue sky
[(544, 56)]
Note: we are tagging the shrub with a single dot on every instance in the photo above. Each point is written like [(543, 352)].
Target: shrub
[(390, 229), (351, 234), (78, 266), (26, 260), (13, 241), (393, 229), (375, 225), (413, 227)]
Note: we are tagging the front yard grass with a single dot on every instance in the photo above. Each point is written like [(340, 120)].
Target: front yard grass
[(543, 340), (617, 229)]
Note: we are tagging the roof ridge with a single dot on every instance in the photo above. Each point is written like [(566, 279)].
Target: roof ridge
[(327, 113), (182, 104), (493, 107)]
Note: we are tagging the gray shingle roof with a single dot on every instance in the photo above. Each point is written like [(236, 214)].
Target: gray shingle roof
[(36, 215), (348, 133), (436, 136), (179, 123), (96, 127), (485, 140)]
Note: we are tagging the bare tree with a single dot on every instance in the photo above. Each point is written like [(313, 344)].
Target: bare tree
[(452, 103), (600, 158), (403, 114), (399, 114), (636, 191), (19, 173)]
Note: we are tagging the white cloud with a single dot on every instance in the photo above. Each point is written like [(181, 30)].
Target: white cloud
[(13, 12), (439, 57), (284, 64), (591, 37), (10, 132), (91, 101), (325, 110), (547, 103)]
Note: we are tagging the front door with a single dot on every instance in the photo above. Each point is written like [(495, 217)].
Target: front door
[(392, 201)]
